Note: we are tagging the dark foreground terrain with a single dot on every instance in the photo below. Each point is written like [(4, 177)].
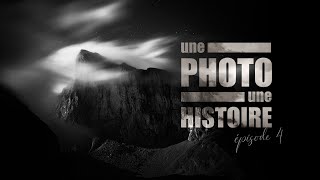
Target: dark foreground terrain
[(31, 150)]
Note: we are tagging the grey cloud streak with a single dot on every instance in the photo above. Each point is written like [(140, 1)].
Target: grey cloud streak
[(85, 20), (48, 37)]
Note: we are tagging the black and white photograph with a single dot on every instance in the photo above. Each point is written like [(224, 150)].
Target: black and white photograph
[(146, 89)]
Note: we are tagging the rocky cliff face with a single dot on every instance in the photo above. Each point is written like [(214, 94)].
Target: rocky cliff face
[(141, 107)]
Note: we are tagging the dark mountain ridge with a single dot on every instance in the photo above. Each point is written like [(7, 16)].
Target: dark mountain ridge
[(142, 107)]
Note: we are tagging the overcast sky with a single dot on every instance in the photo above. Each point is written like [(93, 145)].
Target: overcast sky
[(33, 29), (37, 34)]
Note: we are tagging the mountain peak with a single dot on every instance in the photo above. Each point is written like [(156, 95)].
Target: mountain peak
[(86, 56), (83, 51)]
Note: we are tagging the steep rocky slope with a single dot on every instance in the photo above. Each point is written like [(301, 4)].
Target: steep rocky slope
[(140, 107)]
